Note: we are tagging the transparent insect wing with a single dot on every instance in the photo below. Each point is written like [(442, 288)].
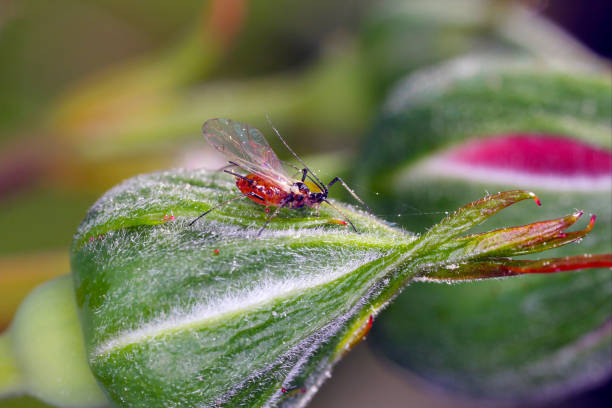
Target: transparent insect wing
[(245, 146)]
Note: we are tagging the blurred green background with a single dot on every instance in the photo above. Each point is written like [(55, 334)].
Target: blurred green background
[(93, 92)]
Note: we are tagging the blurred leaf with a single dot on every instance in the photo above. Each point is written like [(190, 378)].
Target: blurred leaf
[(485, 124), (23, 402), (40, 219), (528, 338), (20, 273), (44, 47), (435, 108), (300, 99), (146, 87), (398, 37), (43, 351), (437, 115)]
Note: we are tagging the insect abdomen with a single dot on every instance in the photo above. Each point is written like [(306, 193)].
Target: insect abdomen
[(271, 193)]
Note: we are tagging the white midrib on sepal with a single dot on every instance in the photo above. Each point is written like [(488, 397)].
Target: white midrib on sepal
[(208, 311)]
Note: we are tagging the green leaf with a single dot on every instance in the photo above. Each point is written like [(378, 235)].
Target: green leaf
[(212, 314)]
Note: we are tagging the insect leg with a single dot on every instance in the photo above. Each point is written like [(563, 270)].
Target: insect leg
[(283, 204), (336, 179), (342, 214), (225, 203), (305, 174), (239, 176), (231, 165)]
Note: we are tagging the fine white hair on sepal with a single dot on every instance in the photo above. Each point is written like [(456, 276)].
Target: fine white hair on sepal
[(265, 292)]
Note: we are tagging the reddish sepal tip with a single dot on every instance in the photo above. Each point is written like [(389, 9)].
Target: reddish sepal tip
[(284, 390), (216, 251), (592, 221), (537, 200), (337, 221)]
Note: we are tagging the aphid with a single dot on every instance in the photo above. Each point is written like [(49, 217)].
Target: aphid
[(266, 182)]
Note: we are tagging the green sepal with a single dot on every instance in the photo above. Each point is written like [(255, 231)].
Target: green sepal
[(212, 313)]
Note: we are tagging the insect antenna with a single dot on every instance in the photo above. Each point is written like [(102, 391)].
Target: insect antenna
[(317, 182), (342, 214)]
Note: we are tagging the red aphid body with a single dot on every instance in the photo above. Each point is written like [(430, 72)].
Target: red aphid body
[(272, 194)]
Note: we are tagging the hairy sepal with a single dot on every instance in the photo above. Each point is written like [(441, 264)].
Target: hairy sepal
[(212, 314)]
